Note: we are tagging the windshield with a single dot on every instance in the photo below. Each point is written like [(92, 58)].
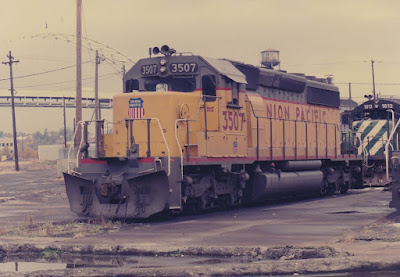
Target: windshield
[(181, 84)]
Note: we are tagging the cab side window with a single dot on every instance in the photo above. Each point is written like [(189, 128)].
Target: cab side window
[(131, 85), (235, 93), (209, 85)]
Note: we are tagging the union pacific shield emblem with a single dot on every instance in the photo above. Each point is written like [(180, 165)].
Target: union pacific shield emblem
[(136, 109)]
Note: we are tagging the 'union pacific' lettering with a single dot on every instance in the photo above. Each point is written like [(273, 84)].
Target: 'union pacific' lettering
[(310, 114), (302, 113), (278, 111)]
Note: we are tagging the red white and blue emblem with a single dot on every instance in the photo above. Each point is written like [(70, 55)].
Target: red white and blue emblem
[(136, 109)]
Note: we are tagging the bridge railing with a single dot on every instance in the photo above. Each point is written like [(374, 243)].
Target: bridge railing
[(53, 102)]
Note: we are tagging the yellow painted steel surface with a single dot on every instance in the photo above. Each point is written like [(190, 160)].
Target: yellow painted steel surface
[(163, 108), (287, 130)]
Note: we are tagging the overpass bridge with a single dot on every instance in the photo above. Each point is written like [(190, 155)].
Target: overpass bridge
[(53, 102)]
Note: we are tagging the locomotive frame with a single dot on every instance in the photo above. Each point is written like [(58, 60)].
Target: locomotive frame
[(197, 133)]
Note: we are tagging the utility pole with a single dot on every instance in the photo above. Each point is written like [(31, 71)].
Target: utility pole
[(65, 124), (78, 111), (22, 145), (96, 88), (96, 103), (10, 63), (373, 78), (123, 75), (350, 104)]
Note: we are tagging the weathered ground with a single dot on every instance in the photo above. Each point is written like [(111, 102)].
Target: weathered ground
[(355, 232)]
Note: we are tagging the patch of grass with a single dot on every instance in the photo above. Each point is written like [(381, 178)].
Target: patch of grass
[(8, 167), (51, 254), (350, 237), (74, 229)]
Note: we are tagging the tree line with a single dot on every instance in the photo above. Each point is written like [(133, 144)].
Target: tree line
[(28, 144)]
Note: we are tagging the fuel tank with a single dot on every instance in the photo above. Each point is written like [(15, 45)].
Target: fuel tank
[(275, 184), (301, 165)]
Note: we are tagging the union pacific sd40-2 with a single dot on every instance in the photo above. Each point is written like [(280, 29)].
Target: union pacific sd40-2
[(191, 132)]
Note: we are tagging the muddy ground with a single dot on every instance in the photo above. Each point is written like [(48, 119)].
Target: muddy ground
[(352, 233)]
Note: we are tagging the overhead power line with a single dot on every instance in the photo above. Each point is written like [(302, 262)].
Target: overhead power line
[(63, 82), (380, 84), (325, 63), (52, 59), (111, 55), (338, 62), (44, 72)]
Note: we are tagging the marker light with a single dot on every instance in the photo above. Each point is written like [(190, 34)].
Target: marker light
[(163, 61)]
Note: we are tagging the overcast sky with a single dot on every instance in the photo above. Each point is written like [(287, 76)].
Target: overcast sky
[(313, 36)]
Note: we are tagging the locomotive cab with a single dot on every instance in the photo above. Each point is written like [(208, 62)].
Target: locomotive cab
[(175, 109), (171, 91)]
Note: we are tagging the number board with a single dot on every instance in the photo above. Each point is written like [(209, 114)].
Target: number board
[(183, 68), (149, 69), (379, 105)]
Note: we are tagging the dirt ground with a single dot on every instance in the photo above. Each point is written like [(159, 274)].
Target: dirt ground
[(40, 236)]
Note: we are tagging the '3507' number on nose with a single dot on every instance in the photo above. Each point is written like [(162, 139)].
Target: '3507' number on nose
[(233, 121)]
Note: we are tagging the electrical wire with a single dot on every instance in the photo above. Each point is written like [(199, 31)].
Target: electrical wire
[(326, 63), (45, 59), (83, 83), (45, 72), (63, 82), (378, 84), (89, 49)]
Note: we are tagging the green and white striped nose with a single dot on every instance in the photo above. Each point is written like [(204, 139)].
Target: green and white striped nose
[(371, 136)]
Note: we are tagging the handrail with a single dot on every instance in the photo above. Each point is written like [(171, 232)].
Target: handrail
[(131, 119), (163, 136), (187, 120), (288, 120), (393, 120), (70, 148), (387, 150), (166, 145)]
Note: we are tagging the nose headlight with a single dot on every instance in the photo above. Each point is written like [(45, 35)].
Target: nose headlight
[(163, 69), (163, 61)]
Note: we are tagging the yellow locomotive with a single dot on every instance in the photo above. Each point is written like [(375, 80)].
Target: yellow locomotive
[(191, 132)]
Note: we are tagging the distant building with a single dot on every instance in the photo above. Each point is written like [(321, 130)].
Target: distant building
[(347, 104), (7, 142), (49, 152)]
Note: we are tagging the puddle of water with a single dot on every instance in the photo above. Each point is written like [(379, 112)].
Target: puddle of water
[(30, 266), (356, 274), (347, 212), (23, 267), (107, 262)]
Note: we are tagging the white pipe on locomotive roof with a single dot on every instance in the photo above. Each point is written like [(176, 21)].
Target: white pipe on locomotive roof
[(387, 150)]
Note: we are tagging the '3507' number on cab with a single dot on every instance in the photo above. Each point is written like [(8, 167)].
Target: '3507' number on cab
[(233, 120), (183, 67)]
